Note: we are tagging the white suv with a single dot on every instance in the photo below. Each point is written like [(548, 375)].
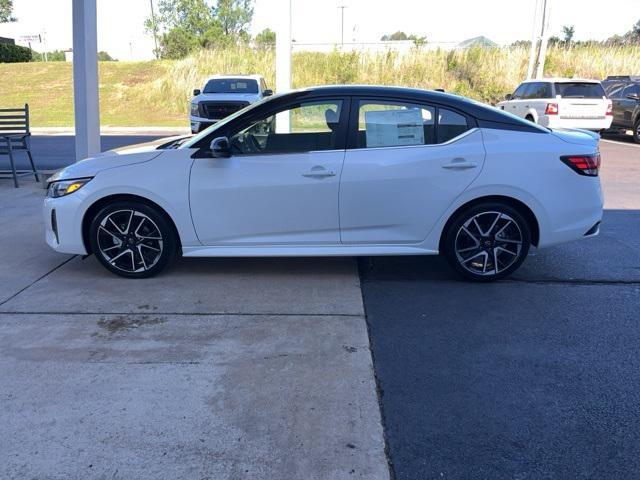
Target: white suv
[(561, 103)]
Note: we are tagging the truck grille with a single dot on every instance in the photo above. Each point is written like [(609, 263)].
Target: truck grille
[(219, 110)]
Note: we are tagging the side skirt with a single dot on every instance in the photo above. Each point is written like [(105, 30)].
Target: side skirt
[(305, 251)]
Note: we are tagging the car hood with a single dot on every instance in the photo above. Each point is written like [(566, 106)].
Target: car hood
[(118, 157), (576, 136)]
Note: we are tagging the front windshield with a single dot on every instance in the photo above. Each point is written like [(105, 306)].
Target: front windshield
[(231, 85), (196, 138)]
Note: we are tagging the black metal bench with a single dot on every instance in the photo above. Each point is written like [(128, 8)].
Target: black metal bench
[(15, 136)]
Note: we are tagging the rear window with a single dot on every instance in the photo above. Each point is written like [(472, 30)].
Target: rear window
[(231, 85), (579, 90)]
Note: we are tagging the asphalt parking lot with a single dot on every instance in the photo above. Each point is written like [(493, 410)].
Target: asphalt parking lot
[(531, 378), (264, 368)]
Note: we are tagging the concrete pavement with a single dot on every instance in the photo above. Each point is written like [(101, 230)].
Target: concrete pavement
[(219, 369)]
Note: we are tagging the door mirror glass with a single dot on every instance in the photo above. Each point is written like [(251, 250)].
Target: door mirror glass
[(268, 92), (196, 92), (508, 96), (220, 148)]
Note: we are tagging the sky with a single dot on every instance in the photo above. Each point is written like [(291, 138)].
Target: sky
[(121, 30)]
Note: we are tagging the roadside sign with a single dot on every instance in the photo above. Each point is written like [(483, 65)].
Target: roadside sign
[(31, 38)]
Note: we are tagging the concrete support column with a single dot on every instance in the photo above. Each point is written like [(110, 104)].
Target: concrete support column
[(85, 78), (283, 59)]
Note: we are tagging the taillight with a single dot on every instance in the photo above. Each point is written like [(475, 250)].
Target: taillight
[(588, 165), (609, 108), (552, 109)]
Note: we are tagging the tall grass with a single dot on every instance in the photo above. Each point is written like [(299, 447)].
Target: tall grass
[(158, 92), (482, 74)]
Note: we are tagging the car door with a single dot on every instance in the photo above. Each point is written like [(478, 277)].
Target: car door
[(407, 164), (280, 185), (614, 92), (627, 106), (538, 98), (515, 105)]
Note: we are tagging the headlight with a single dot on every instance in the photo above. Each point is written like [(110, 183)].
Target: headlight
[(194, 109), (65, 187)]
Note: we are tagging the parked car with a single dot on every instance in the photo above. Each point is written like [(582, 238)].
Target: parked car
[(223, 95), (624, 92), (344, 170), (561, 103)]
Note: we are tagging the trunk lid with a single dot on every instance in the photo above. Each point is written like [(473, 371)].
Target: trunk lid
[(577, 136)]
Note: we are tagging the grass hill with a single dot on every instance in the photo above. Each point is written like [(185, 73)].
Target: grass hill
[(157, 93)]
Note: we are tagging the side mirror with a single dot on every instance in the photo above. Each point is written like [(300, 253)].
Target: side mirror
[(633, 96), (508, 97), (220, 147), (196, 92), (267, 93)]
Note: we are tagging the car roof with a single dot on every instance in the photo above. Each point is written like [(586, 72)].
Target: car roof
[(622, 78), (220, 76), (465, 105), (562, 80)]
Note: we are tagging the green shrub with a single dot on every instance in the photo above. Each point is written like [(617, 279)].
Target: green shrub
[(14, 53)]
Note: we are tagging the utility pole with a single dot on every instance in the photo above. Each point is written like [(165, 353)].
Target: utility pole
[(534, 41), (342, 7), (544, 38), (539, 39), (155, 30)]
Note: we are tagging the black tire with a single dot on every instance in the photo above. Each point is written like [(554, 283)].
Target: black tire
[(132, 239), (636, 131), (464, 254), (530, 118)]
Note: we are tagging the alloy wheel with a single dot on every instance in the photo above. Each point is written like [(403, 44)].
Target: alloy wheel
[(488, 243), (129, 241)]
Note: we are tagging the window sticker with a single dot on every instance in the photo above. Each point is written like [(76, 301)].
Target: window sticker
[(390, 128)]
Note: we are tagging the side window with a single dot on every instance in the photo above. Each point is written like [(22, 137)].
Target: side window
[(631, 89), (393, 124), (614, 90), (304, 127), (519, 91), (450, 125), (530, 91), (544, 90)]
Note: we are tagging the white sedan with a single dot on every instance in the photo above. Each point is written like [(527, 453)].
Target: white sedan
[(345, 170)]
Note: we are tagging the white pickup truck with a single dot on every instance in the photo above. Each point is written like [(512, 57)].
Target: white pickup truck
[(223, 95), (561, 103)]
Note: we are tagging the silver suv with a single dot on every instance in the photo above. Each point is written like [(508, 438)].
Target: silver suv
[(223, 95)]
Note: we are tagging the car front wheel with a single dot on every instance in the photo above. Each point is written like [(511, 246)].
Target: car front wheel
[(636, 131), (487, 242), (132, 239)]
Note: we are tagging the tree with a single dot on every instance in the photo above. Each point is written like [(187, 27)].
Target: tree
[(399, 35), (186, 25), (6, 8), (417, 41), (234, 16), (105, 57), (634, 33), (568, 32), (265, 39)]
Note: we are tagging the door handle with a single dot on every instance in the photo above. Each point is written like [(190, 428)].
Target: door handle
[(319, 174), (459, 164)]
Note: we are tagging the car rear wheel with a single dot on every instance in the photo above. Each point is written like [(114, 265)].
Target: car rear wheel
[(132, 239), (636, 131), (487, 242), (530, 118)]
